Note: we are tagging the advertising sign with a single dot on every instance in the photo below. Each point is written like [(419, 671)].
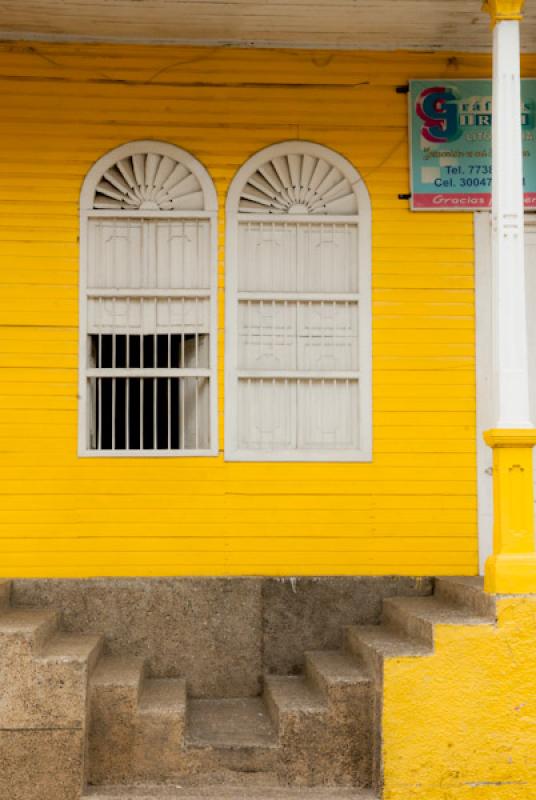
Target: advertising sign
[(450, 144)]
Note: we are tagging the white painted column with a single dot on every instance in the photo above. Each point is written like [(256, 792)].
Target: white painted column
[(510, 346)]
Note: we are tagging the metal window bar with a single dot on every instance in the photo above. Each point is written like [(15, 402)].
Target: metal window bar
[(136, 377)]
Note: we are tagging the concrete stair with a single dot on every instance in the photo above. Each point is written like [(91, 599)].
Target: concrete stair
[(316, 735), (323, 721), (136, 728), (225, 792), (44, 672), (408, 629), (467, 593), (305, 731), (232, 739), (409, 624)]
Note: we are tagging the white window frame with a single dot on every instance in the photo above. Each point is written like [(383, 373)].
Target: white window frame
[(363, 219), (88, 212)]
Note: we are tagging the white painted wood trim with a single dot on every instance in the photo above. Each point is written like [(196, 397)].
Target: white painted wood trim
[(484, 407), (86, 213), (325, 297), (147, 372), (148, 293), (143, 146), (309, 375), (103, 213), (349, 219), (511, 402), (232, 452)]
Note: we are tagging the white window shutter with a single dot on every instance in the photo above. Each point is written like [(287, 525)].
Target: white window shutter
[(298, 308)]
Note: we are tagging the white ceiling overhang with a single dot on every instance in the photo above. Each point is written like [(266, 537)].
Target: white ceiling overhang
[(357, 24)]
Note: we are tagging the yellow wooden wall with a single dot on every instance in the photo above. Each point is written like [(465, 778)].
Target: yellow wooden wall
[(411, 511)]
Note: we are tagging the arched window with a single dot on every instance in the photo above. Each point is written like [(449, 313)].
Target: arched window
[(298, 348), (148, 304)]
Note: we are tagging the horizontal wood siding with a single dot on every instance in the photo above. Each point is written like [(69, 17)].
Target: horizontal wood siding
[(411, 511)]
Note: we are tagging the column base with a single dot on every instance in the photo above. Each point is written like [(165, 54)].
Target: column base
[(512, 567), (511, 574)]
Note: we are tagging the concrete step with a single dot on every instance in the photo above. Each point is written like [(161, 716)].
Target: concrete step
[(336, 674), (116, 675), (27, 629), (232, 737), (293, 695), (324, 722), (467, 592), (114, 696), (44, 672), (236, 722), (342, 679), (160, 726), (418, 616), (374, 643), (136, 729), (73, 648), (163, 696), (225, 792)]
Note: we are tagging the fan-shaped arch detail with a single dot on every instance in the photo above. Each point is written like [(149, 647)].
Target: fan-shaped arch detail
[(149, 181), (298, 183)]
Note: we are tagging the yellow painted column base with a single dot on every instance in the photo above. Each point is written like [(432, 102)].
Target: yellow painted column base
[(512, 567), (511, 574)]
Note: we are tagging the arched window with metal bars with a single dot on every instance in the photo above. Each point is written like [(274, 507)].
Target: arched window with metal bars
[(148, 304)]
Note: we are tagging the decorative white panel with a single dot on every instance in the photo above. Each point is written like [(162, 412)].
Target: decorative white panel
[(182, 254), (267, 414), (328, 415), (137, 254), (327, 319), (148, 315), (267, 257), (327, 258), (312, 335), (184, 314), (116, 253), (267, 335), (149, 182), (298, 184), (306, 257)]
